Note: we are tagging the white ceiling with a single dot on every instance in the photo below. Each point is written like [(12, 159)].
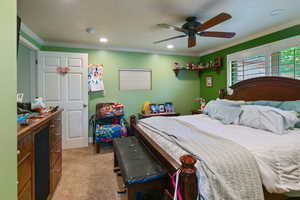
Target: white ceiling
[(131, 24)]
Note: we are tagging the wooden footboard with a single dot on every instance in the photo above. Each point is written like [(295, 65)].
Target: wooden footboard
[(187, 179)]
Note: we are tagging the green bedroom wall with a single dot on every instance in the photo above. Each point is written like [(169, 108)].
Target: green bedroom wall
[(8, 137), (220, 80), (166, 87)]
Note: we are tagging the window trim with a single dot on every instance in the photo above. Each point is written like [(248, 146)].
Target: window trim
[(265, 50)]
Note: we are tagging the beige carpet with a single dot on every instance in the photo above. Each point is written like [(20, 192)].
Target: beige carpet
[(88, 176)]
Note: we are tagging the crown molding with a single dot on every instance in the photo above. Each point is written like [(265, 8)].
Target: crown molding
[(251, 37), (28, 44), (29, 32), (98, 47)]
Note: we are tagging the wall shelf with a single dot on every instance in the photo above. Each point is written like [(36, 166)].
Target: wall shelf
[(212, 65), (216, 69)]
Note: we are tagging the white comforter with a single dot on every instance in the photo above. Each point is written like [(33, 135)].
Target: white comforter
[(278, 156)]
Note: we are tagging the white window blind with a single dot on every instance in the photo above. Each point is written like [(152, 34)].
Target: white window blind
[(286, 63), (135, 79), (247, 68)]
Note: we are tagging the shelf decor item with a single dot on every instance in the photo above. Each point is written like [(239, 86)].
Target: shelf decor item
[(161, 108), (154, 108), (169, 107)]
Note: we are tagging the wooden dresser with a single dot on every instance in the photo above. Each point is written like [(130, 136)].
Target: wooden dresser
[(27, 161)]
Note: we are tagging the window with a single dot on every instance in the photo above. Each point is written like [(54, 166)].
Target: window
[(248, 68), (281, 58), (135, 79), (286, 63)]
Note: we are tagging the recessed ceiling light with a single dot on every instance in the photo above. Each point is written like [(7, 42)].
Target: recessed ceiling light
[(170, 46), (103, 40), (277, 12), (91, 30)]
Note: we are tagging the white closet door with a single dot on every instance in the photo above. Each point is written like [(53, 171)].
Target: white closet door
[(69, 91)]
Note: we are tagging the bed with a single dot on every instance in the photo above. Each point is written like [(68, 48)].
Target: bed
[(261, 144)]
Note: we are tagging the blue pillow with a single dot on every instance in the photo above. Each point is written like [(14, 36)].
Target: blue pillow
[(225, 113), (291, 106), (283, 105), (268, 118), (275, 104)]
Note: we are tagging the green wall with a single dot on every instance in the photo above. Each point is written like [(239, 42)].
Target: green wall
[(8, 136), (182, 91), (220, 80)]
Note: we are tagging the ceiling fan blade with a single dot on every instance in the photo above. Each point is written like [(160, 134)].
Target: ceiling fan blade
[(217, 34), (214, 21), (191, 41), (171, 38), (167, 26)]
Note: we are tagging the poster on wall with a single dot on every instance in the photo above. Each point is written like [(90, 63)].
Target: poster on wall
[(95, 78)]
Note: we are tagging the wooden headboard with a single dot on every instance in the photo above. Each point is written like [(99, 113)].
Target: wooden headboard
[(266, 88)]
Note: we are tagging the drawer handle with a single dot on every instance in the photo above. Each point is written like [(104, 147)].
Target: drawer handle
[(52, 126), (18, 152)]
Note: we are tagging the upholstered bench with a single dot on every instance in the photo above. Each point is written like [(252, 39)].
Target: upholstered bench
[(141, 173)]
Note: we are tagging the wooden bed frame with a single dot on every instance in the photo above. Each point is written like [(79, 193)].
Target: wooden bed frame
[(263, 88)]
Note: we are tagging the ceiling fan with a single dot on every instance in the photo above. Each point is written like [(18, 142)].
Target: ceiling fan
[(192, 28)]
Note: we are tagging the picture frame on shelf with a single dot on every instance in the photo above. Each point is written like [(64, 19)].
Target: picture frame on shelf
[(209, 81), (161, 108), (154, 108), (169, 107)]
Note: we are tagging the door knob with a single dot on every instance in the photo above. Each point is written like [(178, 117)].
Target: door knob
[(84, 105)]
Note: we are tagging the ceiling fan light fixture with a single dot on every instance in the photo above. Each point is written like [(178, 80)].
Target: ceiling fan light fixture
[(103, 40), (170, 46)]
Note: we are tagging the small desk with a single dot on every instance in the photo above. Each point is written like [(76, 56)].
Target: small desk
[(196, 112), (170, 114)]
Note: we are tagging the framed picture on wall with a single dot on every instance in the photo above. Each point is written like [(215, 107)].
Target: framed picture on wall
[(209, 81)]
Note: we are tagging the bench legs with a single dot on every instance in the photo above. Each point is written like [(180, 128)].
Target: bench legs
[(131, 194), (97, 147)]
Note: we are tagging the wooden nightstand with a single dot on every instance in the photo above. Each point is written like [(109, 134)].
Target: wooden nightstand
[(196, 112)]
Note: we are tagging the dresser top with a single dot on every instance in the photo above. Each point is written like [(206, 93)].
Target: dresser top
[(35, 123)]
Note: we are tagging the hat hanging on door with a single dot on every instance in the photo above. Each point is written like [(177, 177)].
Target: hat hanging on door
[(63, 69)]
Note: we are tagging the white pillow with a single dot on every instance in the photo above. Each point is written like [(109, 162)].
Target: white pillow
[(268, 118)]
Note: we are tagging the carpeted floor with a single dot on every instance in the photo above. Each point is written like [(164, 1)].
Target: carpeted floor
[(88, 176)]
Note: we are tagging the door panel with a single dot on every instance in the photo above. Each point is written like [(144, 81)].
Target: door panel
[(75, 128), (75, 84), (52, 61), (52, 87), (69, 91), (74, 62)]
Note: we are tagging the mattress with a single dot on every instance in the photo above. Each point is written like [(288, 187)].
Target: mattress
[(278, 156)]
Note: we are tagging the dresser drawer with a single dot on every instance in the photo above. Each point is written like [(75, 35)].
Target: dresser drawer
[(56, 173), (55, 125), (55, 154), (24, 173), (24, 147), (26, 193)]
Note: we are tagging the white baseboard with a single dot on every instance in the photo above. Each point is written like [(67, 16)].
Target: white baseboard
[(90, 140)]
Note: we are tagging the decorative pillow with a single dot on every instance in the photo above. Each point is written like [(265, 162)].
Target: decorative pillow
[(275, 104), (268, 118), (231, 102), (292, 106), (221, 111)]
